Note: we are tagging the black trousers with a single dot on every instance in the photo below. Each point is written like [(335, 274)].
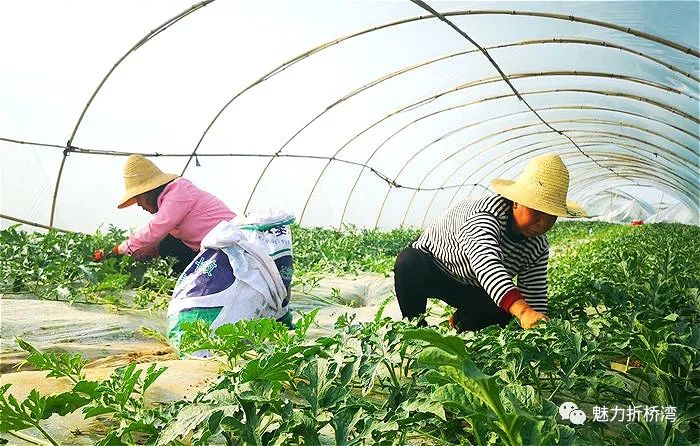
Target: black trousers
[(416, 278), (172, 247)]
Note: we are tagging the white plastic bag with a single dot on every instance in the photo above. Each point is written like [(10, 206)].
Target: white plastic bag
[(241, 273)]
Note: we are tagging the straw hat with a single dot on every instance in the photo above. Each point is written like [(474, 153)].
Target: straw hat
[(542, 186), (141, 175)]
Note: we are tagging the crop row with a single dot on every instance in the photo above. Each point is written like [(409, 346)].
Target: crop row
[(624, 333)]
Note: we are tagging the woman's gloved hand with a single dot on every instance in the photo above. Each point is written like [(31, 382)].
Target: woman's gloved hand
[(526, 315)]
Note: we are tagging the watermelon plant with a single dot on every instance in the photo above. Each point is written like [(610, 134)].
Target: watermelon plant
[(622, 345)]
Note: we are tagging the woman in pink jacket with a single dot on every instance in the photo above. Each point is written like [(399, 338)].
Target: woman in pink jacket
[(183, 213)]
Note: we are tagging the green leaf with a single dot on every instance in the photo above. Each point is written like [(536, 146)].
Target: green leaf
[(189, 419), (98, 410), (214, 422), (436, 357), (151, 375), (454, 397), (13, 415), (129, 378), (453, 345), (65, 403), (343, 423), (434, 405), (277, 367), (200, 419), (58, 365)]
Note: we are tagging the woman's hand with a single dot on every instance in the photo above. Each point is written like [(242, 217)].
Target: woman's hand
[(526, 315), (530, 318)]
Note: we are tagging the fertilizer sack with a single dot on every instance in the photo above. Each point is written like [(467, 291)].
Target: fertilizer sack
[(272, 233), (234, 277)]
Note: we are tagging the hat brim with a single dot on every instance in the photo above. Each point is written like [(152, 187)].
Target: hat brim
[(130, 195), (505, 188)]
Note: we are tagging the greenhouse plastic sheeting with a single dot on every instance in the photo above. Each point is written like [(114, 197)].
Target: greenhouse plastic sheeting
[(378, 114)]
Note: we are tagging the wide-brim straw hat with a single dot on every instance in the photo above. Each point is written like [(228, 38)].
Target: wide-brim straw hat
[(542, 186), (141, 175)]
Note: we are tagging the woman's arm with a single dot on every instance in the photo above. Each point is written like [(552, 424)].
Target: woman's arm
[(533, 283), (480, 243), (171, 211), (480, 240)]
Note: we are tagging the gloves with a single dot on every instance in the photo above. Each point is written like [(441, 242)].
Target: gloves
[(100, 255), (526, 315), (97, 255)]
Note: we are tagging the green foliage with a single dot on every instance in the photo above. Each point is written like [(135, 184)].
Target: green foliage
[(121, 396), (57, 266), (58, 365), (656, 266), (348, 250), (618, 295)]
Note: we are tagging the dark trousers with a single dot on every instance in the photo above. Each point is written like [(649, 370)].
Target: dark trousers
[(172, 247), (416, 278)]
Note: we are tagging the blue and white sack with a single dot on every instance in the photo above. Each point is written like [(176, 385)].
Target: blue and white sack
[(231, 279)]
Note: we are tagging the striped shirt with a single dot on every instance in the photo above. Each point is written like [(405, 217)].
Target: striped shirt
[(472, 243)]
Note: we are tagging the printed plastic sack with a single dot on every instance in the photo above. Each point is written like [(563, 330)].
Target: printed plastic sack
[(231, 279), (272, 232)]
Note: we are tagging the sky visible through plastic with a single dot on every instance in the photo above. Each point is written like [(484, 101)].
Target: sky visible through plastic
[(384, 129)]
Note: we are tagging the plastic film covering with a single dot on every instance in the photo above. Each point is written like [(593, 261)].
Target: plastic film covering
[(377, 114)]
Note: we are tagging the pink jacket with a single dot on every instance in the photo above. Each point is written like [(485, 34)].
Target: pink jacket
[(185, 212)]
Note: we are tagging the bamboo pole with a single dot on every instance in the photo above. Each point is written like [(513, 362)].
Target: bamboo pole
[(140, 43)]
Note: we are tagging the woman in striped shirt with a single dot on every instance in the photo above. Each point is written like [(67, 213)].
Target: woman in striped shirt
[(470, 255)]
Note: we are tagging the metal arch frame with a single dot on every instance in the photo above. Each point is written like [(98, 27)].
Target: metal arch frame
[(584, 121), (478, 152), (548, 147), (505, 78), (572, 107), (632, 147), (592, 42), (587, 179), (475, 83), (404, 70), (326, 45), (645, 173), (151, 34), (582, 181), (681, 189), (608, 183), (374, 83), (587, 143), (640, 169), (663, 106), (597, 23), (584, 20), (414, 105), (462, 165), (658, 184), (457, 169), (424, 101), (684, 163), (615, 192), (407, 69), (663, 188), (615, 141)]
